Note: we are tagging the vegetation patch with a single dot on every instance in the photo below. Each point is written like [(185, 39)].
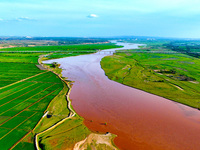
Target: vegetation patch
[(65, 135), (157, 73), (32, 100), (23, 86), (66, 48)]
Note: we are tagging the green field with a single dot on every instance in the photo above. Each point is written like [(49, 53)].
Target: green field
[(65, 135), (23, 104), (19, 57), (26, 93), (17, 66), (66, 48), (173, 76)]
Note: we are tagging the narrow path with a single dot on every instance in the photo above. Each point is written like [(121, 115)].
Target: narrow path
[(71, 115)]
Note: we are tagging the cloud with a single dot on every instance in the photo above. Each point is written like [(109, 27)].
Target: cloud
[(92, 16), (23, 19), (19, 19)]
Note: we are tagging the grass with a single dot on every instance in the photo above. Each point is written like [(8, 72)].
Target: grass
[(66, 48), (23, 102), (13, 72), (66, 135), (63, 136), (19, 57), (157, 73), (16, 110), (26, 93), (57, 110), (8, 140)]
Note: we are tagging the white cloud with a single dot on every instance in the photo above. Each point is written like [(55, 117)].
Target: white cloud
[(17, 19), (23, 19), (92, 16)]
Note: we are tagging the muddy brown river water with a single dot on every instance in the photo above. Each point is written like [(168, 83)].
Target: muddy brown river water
[(141, 121)]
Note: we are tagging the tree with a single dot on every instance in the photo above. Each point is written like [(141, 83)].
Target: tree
[(55, 64)]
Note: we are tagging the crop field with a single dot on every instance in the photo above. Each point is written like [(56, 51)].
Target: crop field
[(67, 48), (25, 93), (17, 66), (13, 72), (23, 104), (157, 73), (19, 57)]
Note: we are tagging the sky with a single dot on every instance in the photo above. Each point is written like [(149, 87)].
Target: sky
[(100, 18)]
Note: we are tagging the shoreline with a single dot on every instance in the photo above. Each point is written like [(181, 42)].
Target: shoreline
[(72, 112), (141, 89), (92, 105)]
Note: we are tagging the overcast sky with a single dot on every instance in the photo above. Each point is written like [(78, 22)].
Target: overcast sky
[(85, 18)]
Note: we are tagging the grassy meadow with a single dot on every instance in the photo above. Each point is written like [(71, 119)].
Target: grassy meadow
[(173, 76)]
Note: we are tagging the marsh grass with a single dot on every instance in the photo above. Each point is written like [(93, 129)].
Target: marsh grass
[(173, 76)]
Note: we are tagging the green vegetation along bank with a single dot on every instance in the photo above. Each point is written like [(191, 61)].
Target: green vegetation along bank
[(173, 76), (33, 102), (25, 93)]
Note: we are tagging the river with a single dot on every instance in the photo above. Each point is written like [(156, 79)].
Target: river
[(141, 121)]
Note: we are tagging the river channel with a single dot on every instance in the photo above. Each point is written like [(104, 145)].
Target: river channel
[(141, 121)]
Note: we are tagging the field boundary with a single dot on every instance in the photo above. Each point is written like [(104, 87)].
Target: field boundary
[(23, 80), (20, 140), (28, 106), (18, 125), (71, 115), (15, 91)]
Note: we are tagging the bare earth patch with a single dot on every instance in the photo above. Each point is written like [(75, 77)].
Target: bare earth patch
[(195, 82), (96, 141)]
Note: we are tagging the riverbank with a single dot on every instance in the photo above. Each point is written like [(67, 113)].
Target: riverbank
[(27, 89), (139, 119), (54, 134), (172, 76)]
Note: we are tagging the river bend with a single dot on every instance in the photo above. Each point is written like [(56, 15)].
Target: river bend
[(141, 121)]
